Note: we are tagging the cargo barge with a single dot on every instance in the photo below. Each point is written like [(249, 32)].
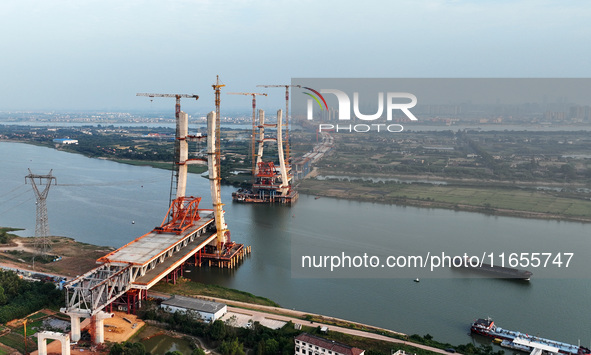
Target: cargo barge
[(524, 342), (500, 272)]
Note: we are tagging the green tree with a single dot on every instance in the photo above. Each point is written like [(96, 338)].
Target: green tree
[(271, 347), (3, 298), (198, 351), (217, 330), (128, 348), (260, 348), (233, 347), (4, 237)]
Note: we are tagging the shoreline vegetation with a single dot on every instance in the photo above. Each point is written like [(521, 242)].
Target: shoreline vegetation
[(491, 199), (186, 287)]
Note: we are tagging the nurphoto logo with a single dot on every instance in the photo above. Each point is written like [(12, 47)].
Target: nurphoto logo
[(344, 110)]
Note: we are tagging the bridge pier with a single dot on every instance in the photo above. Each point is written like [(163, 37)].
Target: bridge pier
[(75, 324), (99, 326)]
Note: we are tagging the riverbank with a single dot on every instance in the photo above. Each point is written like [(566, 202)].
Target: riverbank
[(494, 200), (356, 334), (72, 258), (185, 287)]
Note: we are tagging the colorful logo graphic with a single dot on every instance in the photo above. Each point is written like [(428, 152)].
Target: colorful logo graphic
[(316, 98)]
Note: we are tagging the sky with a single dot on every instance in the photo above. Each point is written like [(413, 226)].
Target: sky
[(76, 55)]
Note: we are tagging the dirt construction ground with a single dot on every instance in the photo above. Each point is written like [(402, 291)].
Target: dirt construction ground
[(117, 330)]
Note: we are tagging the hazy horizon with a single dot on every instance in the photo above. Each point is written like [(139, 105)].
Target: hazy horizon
[(96, 55)]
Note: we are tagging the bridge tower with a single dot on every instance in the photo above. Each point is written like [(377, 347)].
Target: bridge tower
[(271, 184), (176, 167), (280, 176)]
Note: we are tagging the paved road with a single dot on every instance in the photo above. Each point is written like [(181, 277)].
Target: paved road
[(334, 328), (294, 316), (19, 268)]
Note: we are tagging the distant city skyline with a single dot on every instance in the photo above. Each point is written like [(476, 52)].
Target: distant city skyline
[(96, 55)]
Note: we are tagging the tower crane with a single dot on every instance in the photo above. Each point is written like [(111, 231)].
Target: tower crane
[(286, 116), (216, 88), (252, 143), (177, 112)]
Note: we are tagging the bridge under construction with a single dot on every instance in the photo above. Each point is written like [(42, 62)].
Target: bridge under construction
[(187, 234), (271, 184)]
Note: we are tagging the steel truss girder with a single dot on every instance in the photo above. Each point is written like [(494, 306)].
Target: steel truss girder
[(94, 290)]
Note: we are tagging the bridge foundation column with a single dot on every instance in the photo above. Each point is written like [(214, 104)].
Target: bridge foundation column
[(99, 319), (75, 325)]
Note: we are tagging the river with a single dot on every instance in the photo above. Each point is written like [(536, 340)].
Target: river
[(96, 202)]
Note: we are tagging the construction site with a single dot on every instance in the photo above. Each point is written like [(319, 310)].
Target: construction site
[(188, 234), (269, 183)]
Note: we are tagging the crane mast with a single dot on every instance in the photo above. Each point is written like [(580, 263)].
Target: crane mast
[(253, 138), (216, 87)]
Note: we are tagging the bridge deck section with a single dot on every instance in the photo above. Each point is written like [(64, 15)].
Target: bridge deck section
[(172, 262), (152, 245)]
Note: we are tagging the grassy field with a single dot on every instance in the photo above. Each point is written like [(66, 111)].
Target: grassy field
[(32, 328), (493, 200), (17, 341), (189, 288)]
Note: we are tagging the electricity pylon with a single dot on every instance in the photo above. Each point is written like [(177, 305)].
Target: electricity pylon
[(42, 242)]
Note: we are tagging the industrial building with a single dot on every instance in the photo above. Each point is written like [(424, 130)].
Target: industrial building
[(205, 310), (307, 344), (65, 141)]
